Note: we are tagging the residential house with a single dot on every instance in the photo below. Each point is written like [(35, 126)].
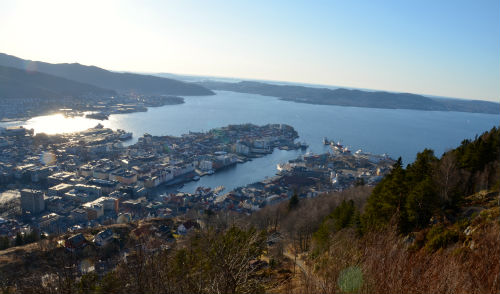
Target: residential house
[(75, 242), (103, 237)]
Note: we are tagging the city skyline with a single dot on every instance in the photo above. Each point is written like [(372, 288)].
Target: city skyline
[(444, 49)]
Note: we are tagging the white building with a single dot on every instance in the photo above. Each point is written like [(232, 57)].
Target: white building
[(241, 148), (205, 165)]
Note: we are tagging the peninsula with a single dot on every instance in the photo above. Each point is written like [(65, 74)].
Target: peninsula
[(88, 178), (355, 98)]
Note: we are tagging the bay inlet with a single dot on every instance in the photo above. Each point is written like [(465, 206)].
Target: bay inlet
[(395, 132)]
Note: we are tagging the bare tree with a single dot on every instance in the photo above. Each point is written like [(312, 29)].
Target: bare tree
[(447, 176)]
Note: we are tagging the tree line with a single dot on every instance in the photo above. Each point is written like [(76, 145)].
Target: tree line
[(432, 187)]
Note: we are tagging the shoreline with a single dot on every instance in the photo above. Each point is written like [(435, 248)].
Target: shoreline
[(123, 106)]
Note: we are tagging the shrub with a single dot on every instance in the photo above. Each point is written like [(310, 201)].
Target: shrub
[(440, 237)]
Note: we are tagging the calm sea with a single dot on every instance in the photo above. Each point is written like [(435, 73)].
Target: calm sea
[(395, 132)]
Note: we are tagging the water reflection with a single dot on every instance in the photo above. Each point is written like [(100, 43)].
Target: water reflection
[(395, 132), (246, 173), (58, 123)]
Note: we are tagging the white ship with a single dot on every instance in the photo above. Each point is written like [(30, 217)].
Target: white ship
[(125, 136)]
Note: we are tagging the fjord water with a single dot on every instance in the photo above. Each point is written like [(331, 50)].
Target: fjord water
[(397, 132)]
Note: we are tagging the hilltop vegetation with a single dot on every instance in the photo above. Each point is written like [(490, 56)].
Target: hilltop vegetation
[(432, 227), (221, 258), (435, 187)]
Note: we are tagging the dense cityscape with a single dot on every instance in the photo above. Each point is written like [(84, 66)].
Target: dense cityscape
[(61, 183)]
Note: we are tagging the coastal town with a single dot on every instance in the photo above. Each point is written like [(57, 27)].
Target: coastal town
[(92, 106), (53, 184)]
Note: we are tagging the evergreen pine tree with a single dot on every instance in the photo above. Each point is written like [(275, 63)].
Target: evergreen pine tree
[(294, 201), (19, 240)]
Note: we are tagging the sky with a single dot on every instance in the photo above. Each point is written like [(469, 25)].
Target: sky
[(444, 48)]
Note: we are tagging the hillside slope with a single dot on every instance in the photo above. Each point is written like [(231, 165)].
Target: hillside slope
[(430, 227), (120, 82), (16, 83)]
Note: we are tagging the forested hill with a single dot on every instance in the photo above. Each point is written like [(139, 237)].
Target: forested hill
[(430, 227), (356, 98), (120, 82), (435, 187), (16, 83)]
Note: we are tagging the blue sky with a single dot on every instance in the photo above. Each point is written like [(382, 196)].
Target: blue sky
[(444, 48)]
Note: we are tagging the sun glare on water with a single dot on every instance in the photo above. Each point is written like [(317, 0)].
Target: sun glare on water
[(58, 123)]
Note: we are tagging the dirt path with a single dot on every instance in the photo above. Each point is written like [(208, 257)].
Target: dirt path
[(311, 278), (297, 261)]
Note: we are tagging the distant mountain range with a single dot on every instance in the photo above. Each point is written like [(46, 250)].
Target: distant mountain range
[(101, 78), (355, 98), (27, 79), (16, 83)]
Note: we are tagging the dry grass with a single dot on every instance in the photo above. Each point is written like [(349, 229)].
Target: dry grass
[(388, 265), (391, 268)]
